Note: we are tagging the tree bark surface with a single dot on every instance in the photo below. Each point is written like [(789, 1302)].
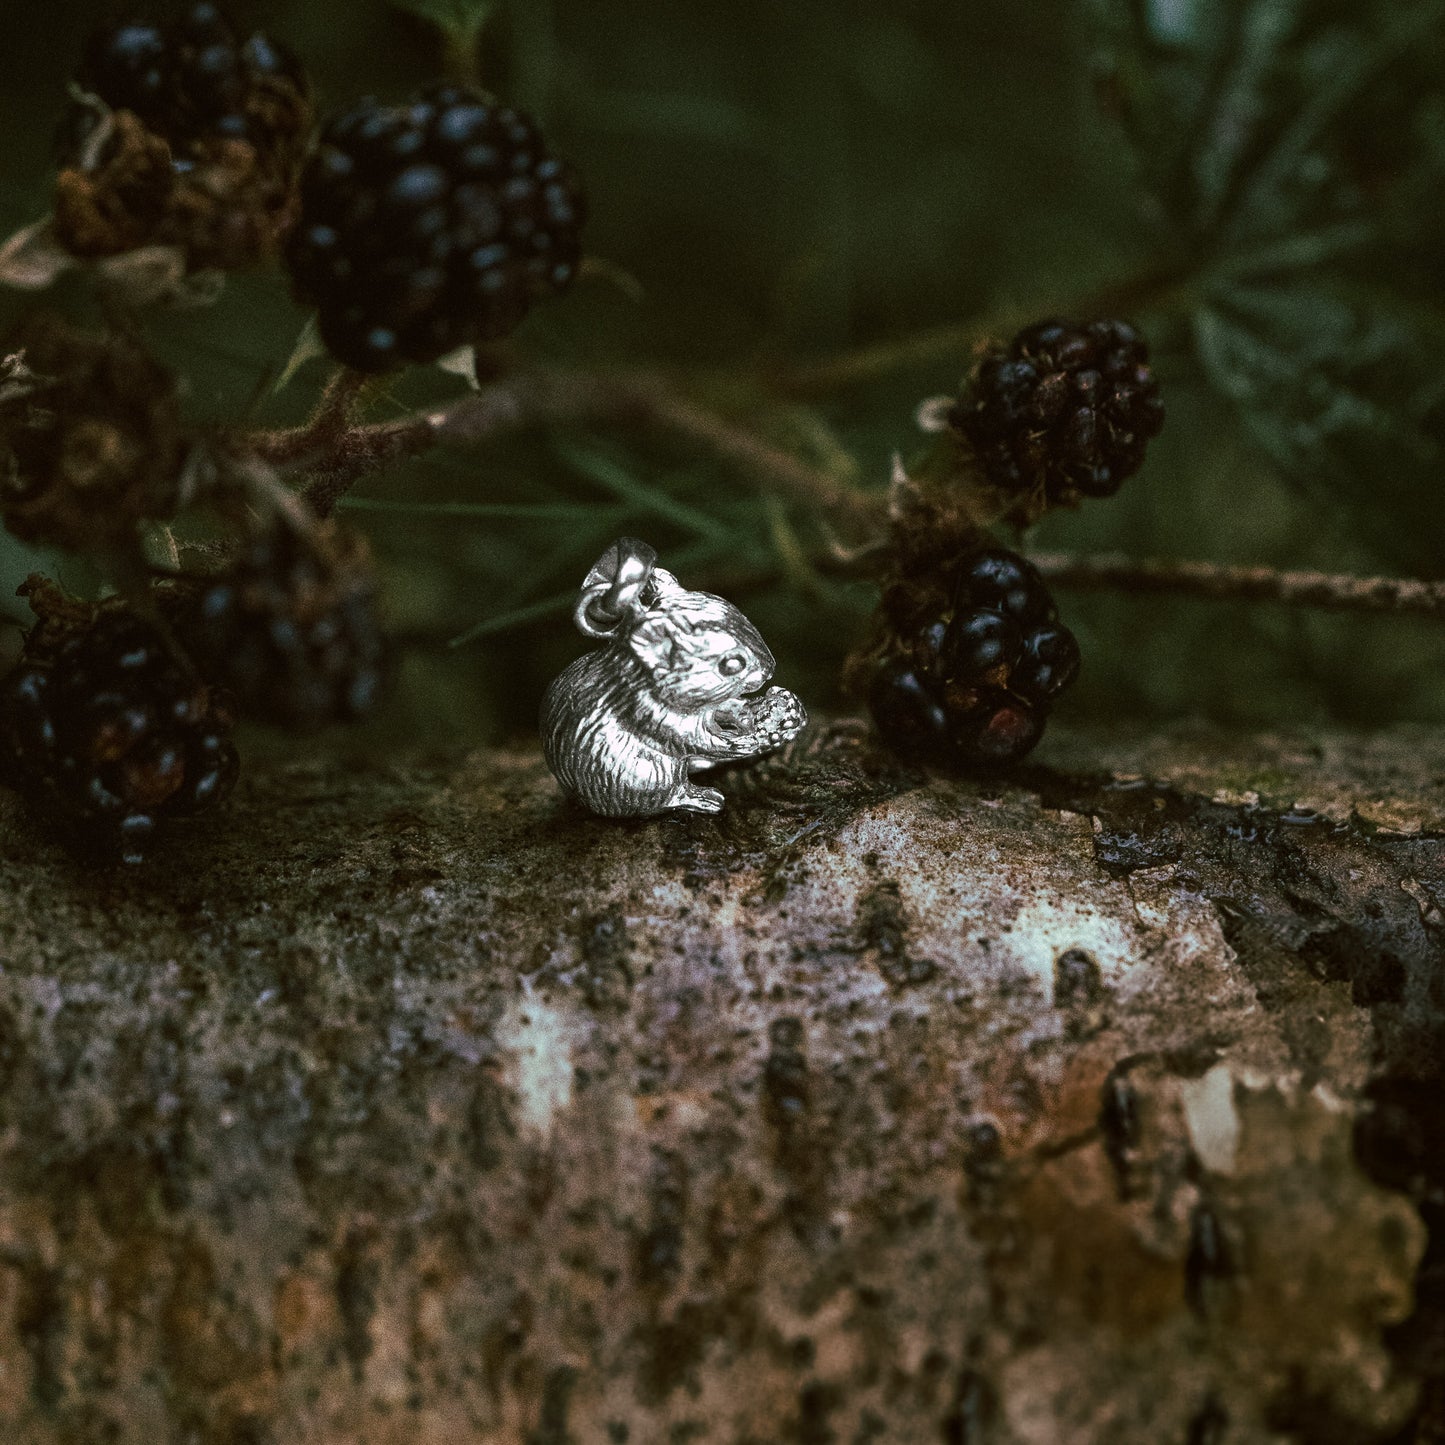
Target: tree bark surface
[(408, 1103)]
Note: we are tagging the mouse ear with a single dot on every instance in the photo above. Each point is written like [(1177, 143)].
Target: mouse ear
[(654, 640), (613, 589)]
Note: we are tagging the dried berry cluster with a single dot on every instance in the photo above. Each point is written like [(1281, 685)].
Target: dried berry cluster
[(117, 717), (107, 731), (432, 225), (196, 144), (91, 437), (290, 628)]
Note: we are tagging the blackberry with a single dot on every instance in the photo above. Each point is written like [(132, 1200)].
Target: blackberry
[(201, 148), (107, 733), (973, 684), (291, 628), (195, 79), (1063, 411), (429, 226), (94, 445)]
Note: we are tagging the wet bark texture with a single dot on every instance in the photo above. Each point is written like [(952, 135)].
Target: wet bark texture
[(409, 1104)]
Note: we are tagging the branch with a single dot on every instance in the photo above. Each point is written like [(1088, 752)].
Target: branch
[(325, 426), (786, 475), (1244, 584), (337, 455)]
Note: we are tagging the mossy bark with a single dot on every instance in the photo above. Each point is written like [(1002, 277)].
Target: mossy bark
[(408, 1103)]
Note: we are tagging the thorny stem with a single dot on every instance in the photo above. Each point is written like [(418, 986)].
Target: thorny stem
[(1223, 582), (363, 449), (327, 424), (1213, 580), (336, 452)]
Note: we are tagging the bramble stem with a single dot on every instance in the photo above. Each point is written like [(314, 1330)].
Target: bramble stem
[(785, 475), (331, 418), (1228, 583), (336, 452)]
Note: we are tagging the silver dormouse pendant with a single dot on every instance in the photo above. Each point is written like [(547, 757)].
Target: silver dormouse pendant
[(677, 687)]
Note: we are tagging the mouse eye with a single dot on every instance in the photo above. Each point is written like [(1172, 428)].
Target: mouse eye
[(732, 664)]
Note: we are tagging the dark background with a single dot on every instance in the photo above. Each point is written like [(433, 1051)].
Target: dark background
[(787, 181)]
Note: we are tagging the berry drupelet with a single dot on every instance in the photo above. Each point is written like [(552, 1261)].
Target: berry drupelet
[(200, 148), (974, 665), (109, 736), (291, 628), (92, 445), (430, 226), (1064, 411)]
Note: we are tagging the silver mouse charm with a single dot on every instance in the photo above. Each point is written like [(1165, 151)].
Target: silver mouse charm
[(675, 689)]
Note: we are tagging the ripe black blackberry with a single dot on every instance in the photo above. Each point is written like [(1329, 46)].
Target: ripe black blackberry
[(430, 226), (93, 445), (973, 665), (291, 628), (193, 78), (1063, 411), (204, 143), (107, 734)]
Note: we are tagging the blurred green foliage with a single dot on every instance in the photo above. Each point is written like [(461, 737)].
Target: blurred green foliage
[(1258, 181)]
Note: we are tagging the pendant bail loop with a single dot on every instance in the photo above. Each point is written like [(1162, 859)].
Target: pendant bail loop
[(612, 590)]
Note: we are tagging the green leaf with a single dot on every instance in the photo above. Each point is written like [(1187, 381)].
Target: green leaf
[(1343, 400), (1237, 104), (482, 511), (1299, 252), (460, 20), (560, 602), (1287, 148), (516, 617), (1282, 172), (1259, 118), (613, 477)]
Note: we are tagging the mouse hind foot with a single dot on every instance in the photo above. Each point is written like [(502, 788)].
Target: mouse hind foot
[(695, 800)]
